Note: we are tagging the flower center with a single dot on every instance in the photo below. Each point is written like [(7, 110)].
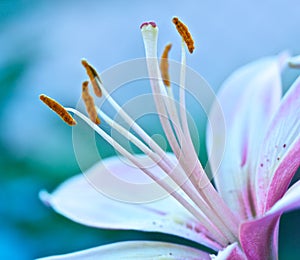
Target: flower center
[(195, 192)]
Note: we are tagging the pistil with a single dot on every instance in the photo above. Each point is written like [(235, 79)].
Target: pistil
[(188, 158)]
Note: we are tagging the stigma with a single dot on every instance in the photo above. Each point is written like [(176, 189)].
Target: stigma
[(153, 24)]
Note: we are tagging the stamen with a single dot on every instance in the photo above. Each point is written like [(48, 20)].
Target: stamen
[(94, 77), (160, 95), (190, 165), (181, 198), (58, 109), (164, 66), (294, 62), (175, 173), (185, 34), (89, 103)]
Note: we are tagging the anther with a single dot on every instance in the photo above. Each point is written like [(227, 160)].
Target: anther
[(89, 103), (294, 62), (58, 109), (164, 65), (184, 33), (94, 78)]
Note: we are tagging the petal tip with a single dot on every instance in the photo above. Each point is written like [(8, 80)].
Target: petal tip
[(45, 197)]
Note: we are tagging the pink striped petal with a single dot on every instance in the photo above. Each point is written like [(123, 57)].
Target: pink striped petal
[(248, 98), (79, 201), (136, 250), (259, 237), (290, 201), (280, 157)]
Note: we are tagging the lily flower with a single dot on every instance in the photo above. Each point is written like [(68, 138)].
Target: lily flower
[(239, 218)]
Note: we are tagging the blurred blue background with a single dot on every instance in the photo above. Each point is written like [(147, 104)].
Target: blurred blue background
[(41, 44)]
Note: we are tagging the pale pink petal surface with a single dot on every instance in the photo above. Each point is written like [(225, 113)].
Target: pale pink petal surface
[(78, 200), (249, 97), (280, 155), (136, 250), (259, 237)]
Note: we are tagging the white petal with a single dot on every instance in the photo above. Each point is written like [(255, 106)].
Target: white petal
[(280, 156), (258, 237), (248, 99), (78, 200), (290, 201), (136, 250)]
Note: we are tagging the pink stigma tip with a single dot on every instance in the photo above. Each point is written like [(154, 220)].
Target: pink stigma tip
[(148, 23)]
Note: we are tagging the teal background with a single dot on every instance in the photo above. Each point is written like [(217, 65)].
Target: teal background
[(41, 44)]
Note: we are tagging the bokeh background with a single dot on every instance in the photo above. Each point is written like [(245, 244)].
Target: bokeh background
[(41, 44)]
